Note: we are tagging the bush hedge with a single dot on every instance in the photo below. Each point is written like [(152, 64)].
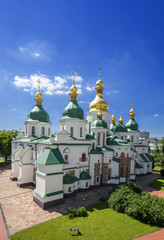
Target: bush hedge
[(80, 212), (162, 172), (141, 206)]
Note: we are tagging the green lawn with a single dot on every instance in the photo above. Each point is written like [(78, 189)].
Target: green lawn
[(101, 223), (158, 184)]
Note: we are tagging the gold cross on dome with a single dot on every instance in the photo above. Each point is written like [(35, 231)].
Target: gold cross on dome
[(99, 71), (74, 74), (39, 84), (132, 103)]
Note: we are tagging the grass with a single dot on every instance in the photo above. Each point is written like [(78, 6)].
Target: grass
[(158, 166), (101, 223), (158, 184)]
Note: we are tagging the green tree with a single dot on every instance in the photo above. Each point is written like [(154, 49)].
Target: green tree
[(5, 142)]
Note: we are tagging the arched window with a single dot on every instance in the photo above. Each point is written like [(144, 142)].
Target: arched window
[(49, 132), (122, 137), (103, 138), (69, 189), (122, 154), (26, 130), (121, 172), (127, 172), (93, 145), (89, 127), (131, 138), (127, 154), (83, 157), (86, 184), (81, 132), (97, 179), (98, 139), (116, 154), (33, 130), (43, 131), (66, 158), (71, 131)]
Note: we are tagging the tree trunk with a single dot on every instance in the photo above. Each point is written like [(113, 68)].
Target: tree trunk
[(5, 158)]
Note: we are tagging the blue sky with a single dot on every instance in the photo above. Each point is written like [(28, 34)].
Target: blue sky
[(49, 39)]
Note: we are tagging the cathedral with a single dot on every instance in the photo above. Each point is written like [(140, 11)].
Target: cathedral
[(85, 153)]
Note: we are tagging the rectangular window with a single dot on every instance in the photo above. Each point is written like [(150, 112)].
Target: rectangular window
[(81, 132), (71, 131)]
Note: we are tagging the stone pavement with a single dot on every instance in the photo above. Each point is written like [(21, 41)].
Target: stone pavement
[(159, 235), (21, 212)]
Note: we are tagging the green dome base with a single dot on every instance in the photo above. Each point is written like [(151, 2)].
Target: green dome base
[(39, 114), (73, 110)]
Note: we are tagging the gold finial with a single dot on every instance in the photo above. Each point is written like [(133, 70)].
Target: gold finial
[(74, 74), (62, 126), (132, 103), (73, 90), (38, 99), (113, 117), (99, 72), (99, 114), (121, 121), (39, 82), (132, 114)]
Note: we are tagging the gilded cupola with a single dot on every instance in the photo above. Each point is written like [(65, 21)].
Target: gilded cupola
[(73, 110), (132, 125), (99, 103)]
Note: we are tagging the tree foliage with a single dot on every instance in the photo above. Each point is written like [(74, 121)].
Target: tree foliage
[(5, 142), (158, 153)]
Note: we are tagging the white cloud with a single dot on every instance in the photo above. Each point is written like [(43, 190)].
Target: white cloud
[(88, 88), (60, 84), (113, 92), (156, 115), (34, 49), (14, 109), (84, 102)]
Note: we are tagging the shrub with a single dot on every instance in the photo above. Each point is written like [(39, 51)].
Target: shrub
[(80, 212), (141, 206), (134, 187), (162, 172)]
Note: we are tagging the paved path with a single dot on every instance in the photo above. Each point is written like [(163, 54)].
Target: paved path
[(3, 232), (21, 212), (159, 235)]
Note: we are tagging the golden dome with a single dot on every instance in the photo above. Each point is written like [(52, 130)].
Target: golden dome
[(99, 114), (99, 103), (132, 113), (113, 118), (121, 121), (38, 96), (73, 90)]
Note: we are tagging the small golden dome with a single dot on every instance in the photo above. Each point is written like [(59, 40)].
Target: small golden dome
[(132, 113), (113, 118), (73, 89), (121, 121), (99, 114), (38, 95), (99, 83), (99, 103)]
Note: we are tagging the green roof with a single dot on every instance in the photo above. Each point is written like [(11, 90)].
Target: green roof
[(95, 151), (84, 175), (73, 110), (38, 113), (138, 165), (50, 157), (105, 149), (89, 137), (112, 127), (116, 141), (120, 128), (131, 125), (116, 160), (68, 179), (24, 152), (99, 123), (149, 157), (143, 157), (16, 150)]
